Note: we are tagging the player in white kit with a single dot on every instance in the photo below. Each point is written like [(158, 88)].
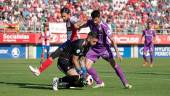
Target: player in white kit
[(45, 37)]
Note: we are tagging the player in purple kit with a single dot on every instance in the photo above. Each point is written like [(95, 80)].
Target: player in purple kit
[(102, 49), (149, 34)]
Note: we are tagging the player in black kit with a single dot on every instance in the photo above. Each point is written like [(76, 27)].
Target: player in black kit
[(68, 61)]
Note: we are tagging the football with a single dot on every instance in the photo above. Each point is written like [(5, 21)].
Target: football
[(89, 80)]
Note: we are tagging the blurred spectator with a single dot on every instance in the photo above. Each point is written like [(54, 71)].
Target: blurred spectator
[(127, 16)]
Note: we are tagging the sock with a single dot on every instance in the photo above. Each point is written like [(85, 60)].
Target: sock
[(45, 64), (151, 57), (94, 75), (120, 73), (144, 57)]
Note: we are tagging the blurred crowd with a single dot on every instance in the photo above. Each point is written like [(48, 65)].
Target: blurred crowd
[(123, 16)]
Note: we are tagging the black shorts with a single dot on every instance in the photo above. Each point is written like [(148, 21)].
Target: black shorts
[(64, 65)]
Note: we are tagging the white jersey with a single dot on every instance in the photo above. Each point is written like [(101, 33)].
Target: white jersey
[(45, 36), (71, 30)]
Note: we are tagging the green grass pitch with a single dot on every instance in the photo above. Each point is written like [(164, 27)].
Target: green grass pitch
[(17, 80)]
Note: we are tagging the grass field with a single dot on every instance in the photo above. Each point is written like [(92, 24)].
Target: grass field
[(17, 80)]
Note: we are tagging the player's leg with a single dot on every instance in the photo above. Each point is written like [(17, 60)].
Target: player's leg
[(108, 56), (145, 49), (72, 78), (48, 50), (91, 57), (46, 63), (49, 60), (119, 73), (151, 51), (42, 54)]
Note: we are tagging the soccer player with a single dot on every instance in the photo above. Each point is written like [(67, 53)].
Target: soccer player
[(71, 25), (72, 28), (102, 49), (72, 52), (150, 35), (45, 37)]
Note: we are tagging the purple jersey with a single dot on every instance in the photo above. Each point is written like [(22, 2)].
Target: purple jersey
[(149, 34), (104, 33)]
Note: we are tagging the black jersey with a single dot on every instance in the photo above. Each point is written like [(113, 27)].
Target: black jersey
[(77, 47)]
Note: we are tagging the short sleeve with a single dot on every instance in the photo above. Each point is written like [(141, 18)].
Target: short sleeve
[(77, 51), (107, 30), (77, 48)]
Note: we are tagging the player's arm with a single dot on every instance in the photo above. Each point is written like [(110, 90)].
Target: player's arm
[(77, 52), (80, 24), (143, 33), (154, 37), (75, 61), (113, 43)]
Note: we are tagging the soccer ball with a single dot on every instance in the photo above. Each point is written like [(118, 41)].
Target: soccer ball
[(89, 80)]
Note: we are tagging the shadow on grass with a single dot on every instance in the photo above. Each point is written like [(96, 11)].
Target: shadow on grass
[(29, 85), (37, 86)]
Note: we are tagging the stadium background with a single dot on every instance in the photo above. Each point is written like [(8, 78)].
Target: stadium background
[(21, 22)]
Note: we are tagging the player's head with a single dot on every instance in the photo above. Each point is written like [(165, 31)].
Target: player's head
[(65, 13), (92, 38), (96, 16), (149, 25)]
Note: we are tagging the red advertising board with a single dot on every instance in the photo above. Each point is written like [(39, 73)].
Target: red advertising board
[(32, 38), (136, 39), (18, 38)]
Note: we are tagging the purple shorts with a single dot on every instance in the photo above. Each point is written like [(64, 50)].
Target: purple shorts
[(94, 54), (150, 48)]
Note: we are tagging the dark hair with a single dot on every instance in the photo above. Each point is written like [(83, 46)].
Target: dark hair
[(95, 13), (93, 34), (65, 10)]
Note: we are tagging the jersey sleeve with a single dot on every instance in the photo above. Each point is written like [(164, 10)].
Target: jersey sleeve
[(77, 51), (107, 30), (77, 48), (88, 24)]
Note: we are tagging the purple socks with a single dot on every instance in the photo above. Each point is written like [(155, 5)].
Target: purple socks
[(120, 73), (94, 74)]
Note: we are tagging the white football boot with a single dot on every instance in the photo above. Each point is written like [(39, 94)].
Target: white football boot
[(35, 71)]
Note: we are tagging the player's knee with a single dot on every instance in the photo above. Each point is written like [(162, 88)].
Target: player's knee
[(55, 54), (50, 58)]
